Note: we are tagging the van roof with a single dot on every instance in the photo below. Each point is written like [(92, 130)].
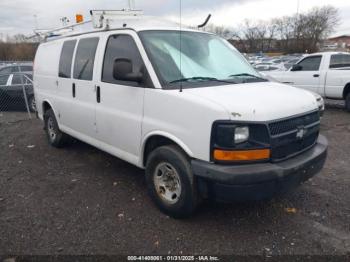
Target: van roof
[(113, 22)]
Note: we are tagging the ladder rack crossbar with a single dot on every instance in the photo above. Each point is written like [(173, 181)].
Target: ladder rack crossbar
[(99, 19)]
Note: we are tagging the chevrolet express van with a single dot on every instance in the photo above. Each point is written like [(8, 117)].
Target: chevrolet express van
[(182, 104)]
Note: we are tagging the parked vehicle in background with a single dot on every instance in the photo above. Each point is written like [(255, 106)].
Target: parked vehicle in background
[(209, 126), (13, 87), (319, 98), (289, 63), (327, 74), (15, 68), (269, 67)]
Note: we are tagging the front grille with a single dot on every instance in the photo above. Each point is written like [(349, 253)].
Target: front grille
[(286, 140), (284, 151), (291, 124)]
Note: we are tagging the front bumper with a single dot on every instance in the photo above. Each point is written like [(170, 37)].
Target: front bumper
[(252, 182)]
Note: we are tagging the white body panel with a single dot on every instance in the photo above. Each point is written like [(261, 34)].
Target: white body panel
[(127, 116), (326, 81)]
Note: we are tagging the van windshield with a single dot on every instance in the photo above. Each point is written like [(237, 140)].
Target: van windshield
[(195, 59)]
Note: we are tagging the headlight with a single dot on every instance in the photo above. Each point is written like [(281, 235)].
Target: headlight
[(239, 142), (319, 100), (241, 134), (230, 135), (320, 103)]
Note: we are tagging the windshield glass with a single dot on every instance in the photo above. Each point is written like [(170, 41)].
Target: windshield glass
[(199, 57)]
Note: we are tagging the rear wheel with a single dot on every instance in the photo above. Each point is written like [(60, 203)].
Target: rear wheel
[(170, 181), (347, 102), (32, 104), (55, 137)]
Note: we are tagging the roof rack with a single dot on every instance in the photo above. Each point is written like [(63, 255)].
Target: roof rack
[(100, 19)]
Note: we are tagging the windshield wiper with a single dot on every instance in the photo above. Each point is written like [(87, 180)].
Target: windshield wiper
[(249, 75), (200, 78)]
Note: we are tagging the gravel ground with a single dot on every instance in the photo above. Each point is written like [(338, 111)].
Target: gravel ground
[(79, 200)]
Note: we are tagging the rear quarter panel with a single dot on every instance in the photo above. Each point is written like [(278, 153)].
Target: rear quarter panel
[(45, 74), (336, 81)]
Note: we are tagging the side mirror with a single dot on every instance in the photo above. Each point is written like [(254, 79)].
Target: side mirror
[(296, 68), (123, 70)]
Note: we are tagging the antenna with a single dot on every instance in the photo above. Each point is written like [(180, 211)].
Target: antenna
[(180, 44), (205, 22)]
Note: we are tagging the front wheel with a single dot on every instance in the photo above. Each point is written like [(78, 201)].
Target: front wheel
[(347, 102), (170, 181)]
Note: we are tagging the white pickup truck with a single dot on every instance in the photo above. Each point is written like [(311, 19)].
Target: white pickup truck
[(327, 74)]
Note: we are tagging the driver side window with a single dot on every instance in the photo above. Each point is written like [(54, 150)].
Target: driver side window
[(121, 47), (311, 63)]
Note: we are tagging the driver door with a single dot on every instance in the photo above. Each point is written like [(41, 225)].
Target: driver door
[(308, 77), (119, 110)]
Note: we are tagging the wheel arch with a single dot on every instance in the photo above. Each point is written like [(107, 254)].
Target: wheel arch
[(46, 105), (346, 90), (156, 139)]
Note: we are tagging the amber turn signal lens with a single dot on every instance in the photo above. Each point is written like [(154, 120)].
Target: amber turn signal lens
[(79, 18), (242, 155)]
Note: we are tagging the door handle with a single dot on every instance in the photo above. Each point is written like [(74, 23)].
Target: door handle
[(316, 75), (73, 89), (98, 94)]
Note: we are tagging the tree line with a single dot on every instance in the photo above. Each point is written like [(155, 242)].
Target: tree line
[(17, 48), (297, 33)]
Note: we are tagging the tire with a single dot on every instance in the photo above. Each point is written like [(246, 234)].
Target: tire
[(177, 202), (55, 137), (32, 104), (347, 102)]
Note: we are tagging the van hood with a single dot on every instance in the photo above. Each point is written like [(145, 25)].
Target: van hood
[(263, 101)]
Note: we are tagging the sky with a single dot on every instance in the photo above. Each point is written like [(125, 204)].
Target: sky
[(22, 16)]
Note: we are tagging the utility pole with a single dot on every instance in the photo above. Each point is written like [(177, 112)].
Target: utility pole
[(35, 22), (298, 25), (298, 6), (131, 4)]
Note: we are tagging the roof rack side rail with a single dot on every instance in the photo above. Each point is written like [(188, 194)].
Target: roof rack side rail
[(101, 18)]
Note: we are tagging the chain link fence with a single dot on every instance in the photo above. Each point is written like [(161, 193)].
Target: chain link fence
[(16, 97)]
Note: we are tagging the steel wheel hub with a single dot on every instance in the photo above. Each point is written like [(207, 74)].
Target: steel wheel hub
[(33, 105), (167, 183), (51, 129)]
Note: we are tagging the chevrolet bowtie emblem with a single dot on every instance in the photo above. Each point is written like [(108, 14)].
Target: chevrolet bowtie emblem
[(301, 132)]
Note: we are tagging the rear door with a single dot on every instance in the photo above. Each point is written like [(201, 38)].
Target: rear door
[(15, 90), (119, 112), (309, 76), (78, 114)]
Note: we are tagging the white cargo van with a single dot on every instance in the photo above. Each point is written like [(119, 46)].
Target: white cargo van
[(184, 105)]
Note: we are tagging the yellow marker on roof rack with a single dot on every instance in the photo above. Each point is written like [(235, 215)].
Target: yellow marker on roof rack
[(79, 18)]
